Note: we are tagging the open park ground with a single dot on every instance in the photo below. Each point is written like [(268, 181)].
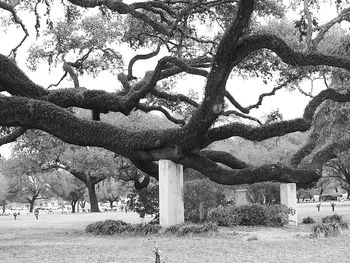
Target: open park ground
[(62, 238)]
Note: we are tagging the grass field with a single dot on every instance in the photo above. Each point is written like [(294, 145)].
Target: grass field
[(62, 238)]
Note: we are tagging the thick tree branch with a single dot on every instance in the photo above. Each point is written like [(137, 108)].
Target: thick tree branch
[(213, 101), (272, 172), (140, 57), (123, 8), (11, 137), (279, 128), (344, 14), (174, 97)]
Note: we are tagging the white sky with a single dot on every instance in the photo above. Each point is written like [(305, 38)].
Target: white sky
[(246, 92)]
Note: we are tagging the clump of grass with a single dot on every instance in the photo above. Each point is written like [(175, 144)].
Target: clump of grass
[(111, 227), (107, 227), (186, 229), (253, 238), (308, 220), (330, 226)]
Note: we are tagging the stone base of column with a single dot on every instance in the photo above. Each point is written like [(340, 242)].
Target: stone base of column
[(289, 198), (171, 202)]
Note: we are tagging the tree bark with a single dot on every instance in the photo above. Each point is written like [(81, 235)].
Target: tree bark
[(82, 204), (92, 197), (3, 206), (31, 205), (73, 203)]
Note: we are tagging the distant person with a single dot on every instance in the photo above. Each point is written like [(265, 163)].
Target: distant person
[(333, 205), (15, 215), (318, 207), (36, 213)]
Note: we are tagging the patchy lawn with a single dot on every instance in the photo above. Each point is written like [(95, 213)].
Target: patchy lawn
[(62, 238)]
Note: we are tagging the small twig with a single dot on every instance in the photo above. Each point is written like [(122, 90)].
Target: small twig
[(10, 8), (147, 108), (58, 83), (228, 113)]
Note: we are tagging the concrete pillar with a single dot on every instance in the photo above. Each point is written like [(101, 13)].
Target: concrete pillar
[(241, 197), (171, 202), (289, 198)]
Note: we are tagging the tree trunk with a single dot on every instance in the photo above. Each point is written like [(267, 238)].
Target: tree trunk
[(31, 203), (92, 197), (3, 206), (111, 203), (73, 203), (82, 204)]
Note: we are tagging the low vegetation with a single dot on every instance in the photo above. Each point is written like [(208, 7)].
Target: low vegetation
[(186, 229), (308, 220), (113, 227), (249, 215), (330, 226)]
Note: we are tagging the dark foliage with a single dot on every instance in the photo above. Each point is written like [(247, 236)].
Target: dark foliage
[(145, 201), (186, 229), (308, 220), (330, 226), (111, 227), (249, 215), (201, 191)]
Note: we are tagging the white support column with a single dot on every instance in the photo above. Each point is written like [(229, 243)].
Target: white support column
[(171, 202), (289, 198), (241, 197)]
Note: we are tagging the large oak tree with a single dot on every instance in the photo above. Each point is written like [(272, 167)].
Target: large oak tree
[(215, 40)]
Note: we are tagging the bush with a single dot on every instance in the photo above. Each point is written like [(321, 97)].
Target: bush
[(335, 219), (201, 192), (249, 215), (222, 215), (145, 201), (276, 215), (111, 227), (308, 220), (186, 229), (108, 227), (330, 226)]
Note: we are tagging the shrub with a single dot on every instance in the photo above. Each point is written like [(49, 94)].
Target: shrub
[(222, 215), (330, 226), (249, 215), (276, 215), (186, 229), (308, 220), (335, 219), (145, 201), (111, 227), (143, 229), (201, 192), (108, 227)]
